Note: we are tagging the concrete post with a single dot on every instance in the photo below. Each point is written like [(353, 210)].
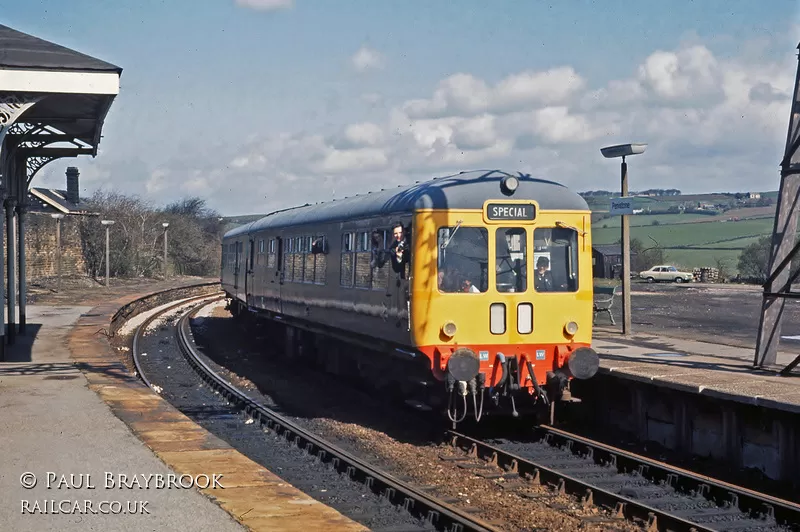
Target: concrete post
[(165, 253), (108, 269), (22, 211), (58, 252), (626, 259), (10, 205)]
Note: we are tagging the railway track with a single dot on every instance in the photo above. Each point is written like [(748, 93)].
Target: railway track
[(429, 510), (634, 488), (654, 494)]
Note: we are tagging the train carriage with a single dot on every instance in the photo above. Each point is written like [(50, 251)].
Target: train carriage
[(477, 284)]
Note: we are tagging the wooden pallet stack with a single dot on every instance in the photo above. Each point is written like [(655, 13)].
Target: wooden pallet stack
[(706, 275)]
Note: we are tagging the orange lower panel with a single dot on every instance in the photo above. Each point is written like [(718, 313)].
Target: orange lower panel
[(543, 358)]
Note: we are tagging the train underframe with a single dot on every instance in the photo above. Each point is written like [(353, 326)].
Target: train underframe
[(403, 375)]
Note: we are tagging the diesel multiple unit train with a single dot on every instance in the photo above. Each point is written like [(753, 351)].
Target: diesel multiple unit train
[(471, 292)]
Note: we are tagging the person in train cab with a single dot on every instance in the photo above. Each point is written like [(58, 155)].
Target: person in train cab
[(448, 280), (399, 249), (543, 281), (467, 286)]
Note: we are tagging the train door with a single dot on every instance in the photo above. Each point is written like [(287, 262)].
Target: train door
[(402, 268), (249, 271), (280, 272), (236, 261)]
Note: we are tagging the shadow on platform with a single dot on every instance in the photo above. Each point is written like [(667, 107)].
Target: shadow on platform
[(22, 350)]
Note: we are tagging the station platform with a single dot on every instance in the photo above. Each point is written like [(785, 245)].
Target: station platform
[(73, 420), (714, 370)]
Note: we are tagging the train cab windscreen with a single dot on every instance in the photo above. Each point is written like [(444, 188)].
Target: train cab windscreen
[(555, 259), (511, 259), (463, 259)]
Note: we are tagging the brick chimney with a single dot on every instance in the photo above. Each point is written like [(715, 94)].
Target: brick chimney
[(73, 195)]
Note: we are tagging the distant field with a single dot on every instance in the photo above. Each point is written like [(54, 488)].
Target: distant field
[(648, 219), (719, 239)]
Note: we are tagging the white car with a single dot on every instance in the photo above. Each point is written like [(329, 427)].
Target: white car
[(666, 273)]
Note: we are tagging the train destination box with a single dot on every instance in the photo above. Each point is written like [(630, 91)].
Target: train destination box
[(622, 205), (500, 212)]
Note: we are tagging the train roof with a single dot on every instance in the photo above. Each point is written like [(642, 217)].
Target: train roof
[(466, 190)]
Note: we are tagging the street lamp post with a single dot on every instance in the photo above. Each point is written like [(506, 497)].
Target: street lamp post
[(108, 224), (165, 224), (58, 217), (610, 152)]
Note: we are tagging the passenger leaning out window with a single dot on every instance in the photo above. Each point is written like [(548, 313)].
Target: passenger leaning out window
[(400, 249)]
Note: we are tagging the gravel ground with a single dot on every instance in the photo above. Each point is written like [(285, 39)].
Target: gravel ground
[(177, 382), (723, 313), (400, 441)]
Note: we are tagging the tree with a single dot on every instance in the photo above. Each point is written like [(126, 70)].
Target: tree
[(753, 259), (137, 237), (642, 257), (723, 267), (195, 233)]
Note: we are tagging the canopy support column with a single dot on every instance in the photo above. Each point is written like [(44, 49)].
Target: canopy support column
[(11, 260), (22, 209)]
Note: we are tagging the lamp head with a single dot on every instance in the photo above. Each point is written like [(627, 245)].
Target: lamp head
[(107, 222), (57, 216), (622, 150), (165, 224)]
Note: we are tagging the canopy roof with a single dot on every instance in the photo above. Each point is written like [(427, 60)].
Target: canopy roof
[(75, 90)]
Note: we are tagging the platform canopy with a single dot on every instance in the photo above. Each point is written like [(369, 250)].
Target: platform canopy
[(53, 102)]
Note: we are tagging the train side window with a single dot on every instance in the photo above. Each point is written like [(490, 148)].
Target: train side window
[(320, 249), (260, 253), (379, 261), (347, 260), (363, 256), (297, 260), (555, 259), (287, 259), (271, 253), (308, 260), (463, 259)]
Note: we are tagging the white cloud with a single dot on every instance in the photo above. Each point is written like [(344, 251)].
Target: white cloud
[(358, 136), (712, 123), (367, 59), (465, 95), (265, 5)]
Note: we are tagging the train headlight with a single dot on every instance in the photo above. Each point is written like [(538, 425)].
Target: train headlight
[(509, 184), (449, 329), (571, 328)]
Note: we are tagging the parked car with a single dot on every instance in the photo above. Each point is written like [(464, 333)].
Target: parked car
[(666, 273)]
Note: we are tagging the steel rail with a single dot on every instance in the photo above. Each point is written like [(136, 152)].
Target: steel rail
[(439, 514), (589, 494), (748, 501), (625, 507), (140, 330)]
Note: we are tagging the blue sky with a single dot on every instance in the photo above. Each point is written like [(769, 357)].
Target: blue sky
[(303, 100)]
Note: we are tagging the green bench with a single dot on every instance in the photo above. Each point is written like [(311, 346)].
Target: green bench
[(604, 300)]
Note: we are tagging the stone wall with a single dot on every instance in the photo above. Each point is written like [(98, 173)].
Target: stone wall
[(40, 246)]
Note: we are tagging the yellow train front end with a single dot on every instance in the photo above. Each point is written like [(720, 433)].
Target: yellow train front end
[(501, 303)]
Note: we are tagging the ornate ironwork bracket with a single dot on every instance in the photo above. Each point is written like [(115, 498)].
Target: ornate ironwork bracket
[(12, 106)]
